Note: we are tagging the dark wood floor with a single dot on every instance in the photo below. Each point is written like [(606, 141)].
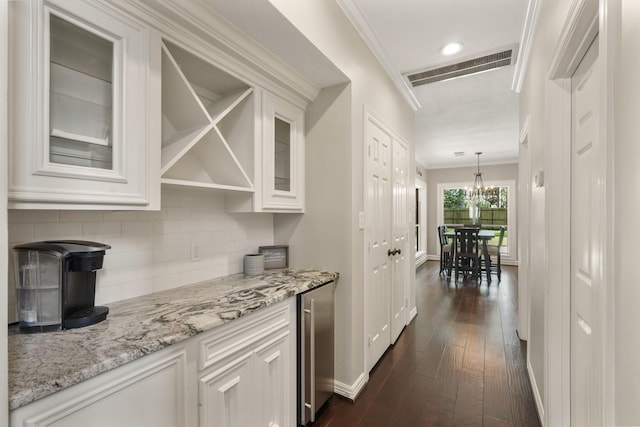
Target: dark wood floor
[(459, 363)]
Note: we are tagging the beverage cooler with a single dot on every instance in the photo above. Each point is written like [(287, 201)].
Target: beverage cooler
[(315, 351)]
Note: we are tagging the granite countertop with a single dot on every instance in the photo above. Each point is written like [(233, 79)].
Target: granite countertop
[(42, 364)]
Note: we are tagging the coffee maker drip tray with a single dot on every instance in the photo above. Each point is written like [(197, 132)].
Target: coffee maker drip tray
[(85, 317)]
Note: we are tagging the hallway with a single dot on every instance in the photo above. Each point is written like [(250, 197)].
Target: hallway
[(458, 363)]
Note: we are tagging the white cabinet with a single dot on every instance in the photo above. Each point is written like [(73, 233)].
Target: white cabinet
[(208, 124), (248, 372), (282, 155), (242, 373), (224, 392), (275, 368), (149, 392), (279, 169), (83, 100)]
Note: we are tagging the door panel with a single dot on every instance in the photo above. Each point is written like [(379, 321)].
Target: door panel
[(400, 237), (378, 240), (585, 331)]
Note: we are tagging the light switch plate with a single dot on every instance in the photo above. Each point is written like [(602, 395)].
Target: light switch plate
[(361, 220)]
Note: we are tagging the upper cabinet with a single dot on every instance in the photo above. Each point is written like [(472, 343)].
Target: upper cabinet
[(220, 132), (282, 155), (111, 100), (208, 124), (81, 108)]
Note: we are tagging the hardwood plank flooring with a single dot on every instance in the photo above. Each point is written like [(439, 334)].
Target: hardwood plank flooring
[(459, 362)]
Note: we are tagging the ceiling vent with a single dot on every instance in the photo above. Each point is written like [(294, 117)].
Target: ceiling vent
[(467, 67)]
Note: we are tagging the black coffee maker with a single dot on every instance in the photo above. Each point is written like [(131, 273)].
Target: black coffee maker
[(56, 284)]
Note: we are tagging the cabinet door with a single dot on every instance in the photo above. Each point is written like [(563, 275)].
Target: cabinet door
[(283, 156), (273, 382), (225, 394), (80, 107), (145, 393)]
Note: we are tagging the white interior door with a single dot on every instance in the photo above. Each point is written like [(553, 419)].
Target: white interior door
[(400, 239), (586, 331), (377, 291)]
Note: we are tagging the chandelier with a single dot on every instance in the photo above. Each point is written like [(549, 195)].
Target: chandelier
[(478, 183), (477, 194)]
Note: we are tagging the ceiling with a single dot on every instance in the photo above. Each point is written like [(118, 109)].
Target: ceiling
[(467, 114)]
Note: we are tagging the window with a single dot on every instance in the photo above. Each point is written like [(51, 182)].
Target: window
[(497, 208), (421, 222), (418, 225)]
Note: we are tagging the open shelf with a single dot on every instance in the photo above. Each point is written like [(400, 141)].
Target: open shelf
[(208, 124)]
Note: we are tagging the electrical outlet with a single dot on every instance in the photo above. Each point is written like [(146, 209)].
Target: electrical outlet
[(195, 252)]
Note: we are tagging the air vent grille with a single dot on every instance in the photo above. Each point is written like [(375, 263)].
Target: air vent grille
[(464, 68)]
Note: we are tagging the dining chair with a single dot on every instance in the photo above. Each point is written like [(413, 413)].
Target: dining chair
[(494, 254), (445, 249), (467, 252)]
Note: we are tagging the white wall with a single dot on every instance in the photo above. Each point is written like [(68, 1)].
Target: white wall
[(318, 239), (462, 175), (533, 105), (621, 395), (326, 26), (4, 397), (627, 226), (150, 251)]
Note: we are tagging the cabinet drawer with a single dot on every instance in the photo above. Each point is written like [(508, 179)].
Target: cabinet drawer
[(240, 335)]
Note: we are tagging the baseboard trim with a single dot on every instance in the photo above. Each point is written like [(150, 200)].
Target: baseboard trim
[(412, 314), (351, 391), (536, 394)]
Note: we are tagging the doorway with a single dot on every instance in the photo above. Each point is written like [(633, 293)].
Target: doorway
[(578, 365), (386, 235)]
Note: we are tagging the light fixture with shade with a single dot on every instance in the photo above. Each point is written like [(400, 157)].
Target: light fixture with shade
[(451, 48)]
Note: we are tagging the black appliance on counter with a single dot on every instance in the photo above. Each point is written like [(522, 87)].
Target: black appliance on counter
[(56, 283), (315, 350)]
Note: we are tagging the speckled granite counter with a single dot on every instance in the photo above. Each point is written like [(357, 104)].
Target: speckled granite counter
[(42, 364)]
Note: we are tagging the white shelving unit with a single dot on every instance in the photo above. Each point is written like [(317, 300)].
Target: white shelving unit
[(208, 124)]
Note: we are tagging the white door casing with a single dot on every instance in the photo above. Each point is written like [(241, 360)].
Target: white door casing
[(400, 238), (378, 145), (586, 330)]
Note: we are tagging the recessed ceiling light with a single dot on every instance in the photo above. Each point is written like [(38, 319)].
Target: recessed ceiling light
[(458, 153), (451, 49)]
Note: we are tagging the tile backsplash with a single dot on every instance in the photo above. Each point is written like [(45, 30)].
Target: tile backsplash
[(151, 251)]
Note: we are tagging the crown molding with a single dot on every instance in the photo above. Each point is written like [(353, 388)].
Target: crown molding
[(526, 42), (211, 32), (355, 16)]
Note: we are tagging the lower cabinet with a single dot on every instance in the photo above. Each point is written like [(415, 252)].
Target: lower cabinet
[(248, 377), (151, 391), (239, 374)]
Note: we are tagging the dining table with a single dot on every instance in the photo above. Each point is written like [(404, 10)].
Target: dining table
[(484, 235)]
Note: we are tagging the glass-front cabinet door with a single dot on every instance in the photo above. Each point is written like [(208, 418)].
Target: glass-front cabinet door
[(283, 155), (81, 84), (81, 107)]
